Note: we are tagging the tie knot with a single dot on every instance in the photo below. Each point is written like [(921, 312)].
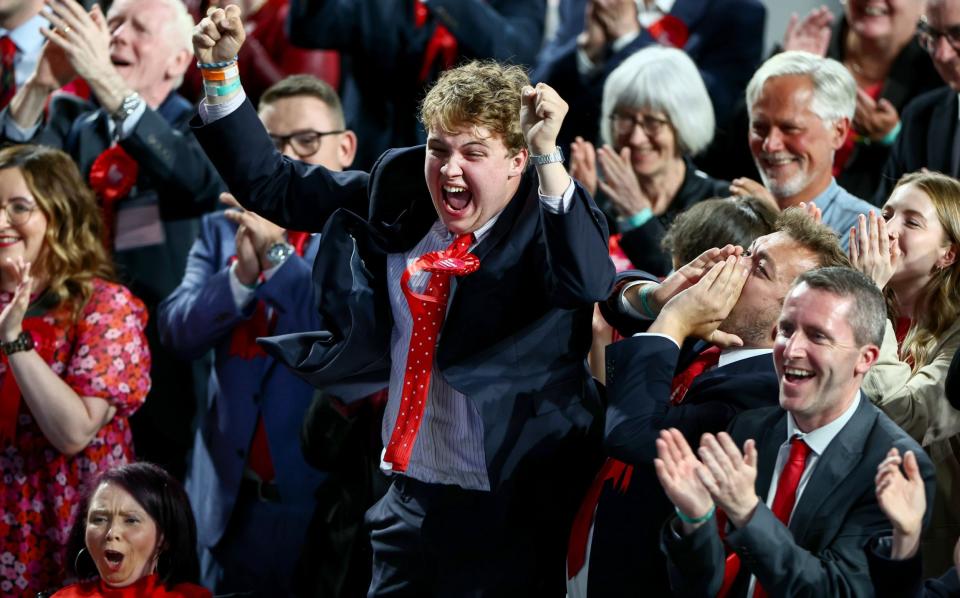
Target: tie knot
[(461, 242), (6, 45), (799, 449)]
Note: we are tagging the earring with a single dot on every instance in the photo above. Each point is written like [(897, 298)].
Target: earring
[(76, 564)]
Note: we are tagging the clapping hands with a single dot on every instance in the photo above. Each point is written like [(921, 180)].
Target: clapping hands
[(873, 250), (902, 498)]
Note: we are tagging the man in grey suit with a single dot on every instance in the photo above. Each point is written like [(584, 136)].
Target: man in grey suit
[(799, 502)]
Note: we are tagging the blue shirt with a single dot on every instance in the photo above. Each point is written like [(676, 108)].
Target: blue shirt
[(29, 42), (840, 210)]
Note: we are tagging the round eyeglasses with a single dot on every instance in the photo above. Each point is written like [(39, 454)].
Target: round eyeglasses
[(304, 143), (19, 211), (623, 124)]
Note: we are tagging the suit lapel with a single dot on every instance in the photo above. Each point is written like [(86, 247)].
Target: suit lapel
[(767, 448), (940, 150), (832, 468)]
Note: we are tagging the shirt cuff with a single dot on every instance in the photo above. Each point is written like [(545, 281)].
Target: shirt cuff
[(669, 338), (558, 205), (585, 66), (627, 306), (211, 112), (242, 294), (13, 131), (130, 123), (623, 41)]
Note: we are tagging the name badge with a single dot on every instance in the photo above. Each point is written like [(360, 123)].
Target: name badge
[(138, 223)]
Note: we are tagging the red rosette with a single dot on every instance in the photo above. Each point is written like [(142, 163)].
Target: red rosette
[(448, 262), (670, 31), (113, 174)]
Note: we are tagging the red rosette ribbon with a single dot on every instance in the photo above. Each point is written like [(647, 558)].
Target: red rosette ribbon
[(112, 177), (447, 263), (670, 31)]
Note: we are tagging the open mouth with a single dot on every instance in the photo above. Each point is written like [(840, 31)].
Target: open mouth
[(876, 11), (797, 375), (7, 241), (456, 199), (114, 559), (119, 61)]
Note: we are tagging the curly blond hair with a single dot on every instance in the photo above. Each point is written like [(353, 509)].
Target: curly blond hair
[(938, 306), (73, 253), (479, 94)]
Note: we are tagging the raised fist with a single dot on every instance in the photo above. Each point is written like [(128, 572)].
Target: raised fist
[(219, 35)]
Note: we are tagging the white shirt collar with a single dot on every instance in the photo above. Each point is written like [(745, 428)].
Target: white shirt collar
[(735, 354), (818, 440), (662, 6), (27, 37), (478, 235)]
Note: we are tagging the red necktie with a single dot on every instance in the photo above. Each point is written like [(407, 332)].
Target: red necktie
[(427, 311), (617, 470), (783, 502), (682, 382), (8, 80)]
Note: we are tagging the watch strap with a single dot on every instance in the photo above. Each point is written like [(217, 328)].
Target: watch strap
[(23, 342), (555, 156)]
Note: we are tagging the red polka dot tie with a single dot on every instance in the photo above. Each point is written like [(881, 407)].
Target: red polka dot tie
[(427, 311)]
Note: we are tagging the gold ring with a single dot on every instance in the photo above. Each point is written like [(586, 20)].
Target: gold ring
[(66, 30)]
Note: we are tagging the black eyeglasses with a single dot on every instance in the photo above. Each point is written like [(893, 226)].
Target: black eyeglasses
[(930, 37), (19, 211), (623, 124), (304, 143)]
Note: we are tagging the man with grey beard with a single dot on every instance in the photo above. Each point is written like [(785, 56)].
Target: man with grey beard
[(801, 106)]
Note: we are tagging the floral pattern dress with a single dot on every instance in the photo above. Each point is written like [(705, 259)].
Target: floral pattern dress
[(103, 353)]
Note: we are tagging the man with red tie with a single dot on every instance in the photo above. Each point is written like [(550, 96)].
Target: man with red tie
[(20, 44), (464, 278), (799, 502), (667, 377)]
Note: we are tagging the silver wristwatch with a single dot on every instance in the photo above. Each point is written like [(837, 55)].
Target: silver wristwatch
[(540, 159), (278, 253), (127, 106)]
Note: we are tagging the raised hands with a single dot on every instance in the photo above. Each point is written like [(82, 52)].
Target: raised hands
[(689, 274), (874, 118), (255, 235), (745, 187), (541, 114), (583, 164), (872, 250), (812, 34), (219, 35), (699, 310), (902, 498), (679, 473), (620, 183), (83, 40), (604, 22), (11, 318)]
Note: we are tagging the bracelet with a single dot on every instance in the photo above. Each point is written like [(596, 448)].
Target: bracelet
[(695, 520), (224, 74), (643, 292), (213, 89), (216, 65), (636, 221), (891, 137)]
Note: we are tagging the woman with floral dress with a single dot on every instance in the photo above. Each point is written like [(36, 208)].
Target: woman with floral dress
[(74, 363)]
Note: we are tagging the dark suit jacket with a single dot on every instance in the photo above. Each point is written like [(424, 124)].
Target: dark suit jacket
[(904, 578), (725, 41), (517, 330), (821, 553), (200, 316), (382, 52), (926, 140), (624, 560)]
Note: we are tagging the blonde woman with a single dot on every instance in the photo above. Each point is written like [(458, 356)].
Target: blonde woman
[(911, 253)]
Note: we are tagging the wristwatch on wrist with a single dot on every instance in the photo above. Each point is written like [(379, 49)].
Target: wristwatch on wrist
[(278, 253), (540, 159), (127, 106), (24, 342)]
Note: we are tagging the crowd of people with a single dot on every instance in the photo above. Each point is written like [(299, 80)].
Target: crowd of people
[(623, 308)]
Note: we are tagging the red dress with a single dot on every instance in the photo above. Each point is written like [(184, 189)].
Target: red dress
[(146, 587), (103, 354)]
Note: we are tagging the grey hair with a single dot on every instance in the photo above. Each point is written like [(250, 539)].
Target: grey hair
[(834, 90), (181, 27), (868, 309), (665, 80)]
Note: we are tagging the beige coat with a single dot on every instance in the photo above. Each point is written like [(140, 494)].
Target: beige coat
[(917, 403)]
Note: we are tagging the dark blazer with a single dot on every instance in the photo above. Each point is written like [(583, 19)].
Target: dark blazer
[(904, 578), (176, 176), (382, 53), (725, 41), (642, 244), (200, 316), (821, 553), (624, 560), (926, 140), (517, 331)]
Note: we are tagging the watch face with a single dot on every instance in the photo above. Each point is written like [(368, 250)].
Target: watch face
[(279, 252)]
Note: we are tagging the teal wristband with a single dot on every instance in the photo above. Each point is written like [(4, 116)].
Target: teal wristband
[(695, 520), (636, 221), (644, 303), (891, 137), (221, 90)]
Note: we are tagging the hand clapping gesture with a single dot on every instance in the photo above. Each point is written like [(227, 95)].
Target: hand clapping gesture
[(730, 475), (255, 234), (812, 34), (619, 182), (82, 39), (874, 118), (11, 318), (872, 250), (583, 164), (903, 500), (679, 473)]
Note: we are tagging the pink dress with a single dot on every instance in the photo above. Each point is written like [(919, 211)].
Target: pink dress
[(103, 354)]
